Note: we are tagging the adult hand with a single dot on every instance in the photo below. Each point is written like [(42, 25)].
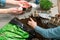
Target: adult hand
[(32, 23), (14, 2), (15, 11), (24, 4)]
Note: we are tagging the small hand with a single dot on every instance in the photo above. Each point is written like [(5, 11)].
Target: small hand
[(32, 23)]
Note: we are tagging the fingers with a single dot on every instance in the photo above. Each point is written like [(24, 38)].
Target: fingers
[(31, 19), (24, 4), (29, 22), (18, 11), (15, 11)]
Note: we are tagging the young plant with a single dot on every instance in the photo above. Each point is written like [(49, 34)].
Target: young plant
[(45, 4)]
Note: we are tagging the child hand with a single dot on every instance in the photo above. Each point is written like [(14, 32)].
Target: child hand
[(32, 23)]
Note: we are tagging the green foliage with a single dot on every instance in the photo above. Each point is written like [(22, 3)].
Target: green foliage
[(45, 4), (12, 32)]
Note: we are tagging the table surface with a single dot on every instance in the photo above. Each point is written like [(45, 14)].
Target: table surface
[(5, 18)]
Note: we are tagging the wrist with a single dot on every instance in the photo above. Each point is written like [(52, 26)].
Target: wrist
[(34, 26), (9, 11), (6, 11), (3, 11)]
